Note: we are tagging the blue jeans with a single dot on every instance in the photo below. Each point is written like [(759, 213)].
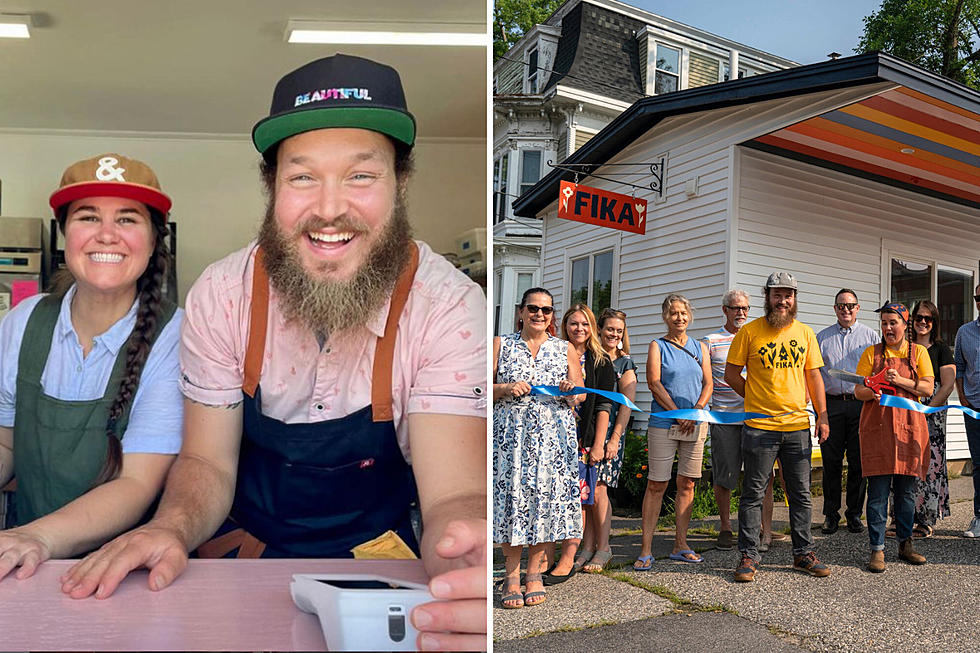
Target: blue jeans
[(973, 441), (760, 449), (878, 488)]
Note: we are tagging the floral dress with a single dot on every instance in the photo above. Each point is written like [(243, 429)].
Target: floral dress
[(932, 494), (609, 469), (535, 468)]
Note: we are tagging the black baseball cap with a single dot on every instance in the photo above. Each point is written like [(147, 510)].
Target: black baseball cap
[(337, 91)]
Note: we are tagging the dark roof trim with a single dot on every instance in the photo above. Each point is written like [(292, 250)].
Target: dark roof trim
[(858, 70)]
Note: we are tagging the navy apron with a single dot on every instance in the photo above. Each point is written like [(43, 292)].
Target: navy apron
[(317, 490)]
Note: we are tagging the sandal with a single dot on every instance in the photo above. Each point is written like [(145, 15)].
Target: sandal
[(528, 596), (514, 597), (583, 559), (922, 531), (598, 562), (643, 563)]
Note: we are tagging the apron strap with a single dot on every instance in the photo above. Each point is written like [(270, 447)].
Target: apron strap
[(247, 544), (384, 351), (259, 319)]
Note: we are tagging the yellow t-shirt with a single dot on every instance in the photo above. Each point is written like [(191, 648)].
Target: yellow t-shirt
[(774, 362), (923, 365)]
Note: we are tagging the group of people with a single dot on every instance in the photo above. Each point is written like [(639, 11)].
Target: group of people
[(304, 404), (769, 370)]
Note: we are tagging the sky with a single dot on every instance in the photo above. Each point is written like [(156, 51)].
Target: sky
[(804, 31)]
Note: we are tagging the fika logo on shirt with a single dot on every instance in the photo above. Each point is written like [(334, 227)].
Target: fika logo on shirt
[(780, 356)]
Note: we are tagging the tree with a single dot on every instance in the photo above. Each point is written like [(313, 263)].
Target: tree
[(513, 18), (938, 35)]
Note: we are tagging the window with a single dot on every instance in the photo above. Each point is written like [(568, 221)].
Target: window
[(500, 202), (950, 288), (668, 75), (532, 71), (728, 72), (530, 169), (591, 281)]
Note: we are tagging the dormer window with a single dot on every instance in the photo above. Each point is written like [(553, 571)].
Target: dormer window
[(668, 74), (532, 71)]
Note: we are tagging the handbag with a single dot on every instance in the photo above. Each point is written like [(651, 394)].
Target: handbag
[(700, 432), (588, 475)]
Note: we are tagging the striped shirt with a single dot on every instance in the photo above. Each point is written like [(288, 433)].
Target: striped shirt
[(841, 348), (966, 355), (723, 397)]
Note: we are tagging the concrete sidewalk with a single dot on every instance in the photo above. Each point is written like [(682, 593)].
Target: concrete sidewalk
[(676, 606)]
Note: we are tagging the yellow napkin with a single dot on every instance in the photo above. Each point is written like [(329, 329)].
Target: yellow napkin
[(387, 546)]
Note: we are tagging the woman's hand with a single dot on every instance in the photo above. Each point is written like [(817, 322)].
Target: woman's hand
[(519, 388), (565, 385), (19, 549), (612, 447), (596, 454)]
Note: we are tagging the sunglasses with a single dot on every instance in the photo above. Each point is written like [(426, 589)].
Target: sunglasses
[(545, 310), (976, 298), (924, 318), (849, 306), (738, 309)]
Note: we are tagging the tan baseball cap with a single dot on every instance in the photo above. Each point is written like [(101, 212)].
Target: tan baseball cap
[(110, 175)]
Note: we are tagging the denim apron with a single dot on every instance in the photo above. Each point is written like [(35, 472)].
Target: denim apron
[(316, 490), (60, 445)]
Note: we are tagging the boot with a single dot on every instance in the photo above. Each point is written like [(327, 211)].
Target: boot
[(877, 562), (908, 553)]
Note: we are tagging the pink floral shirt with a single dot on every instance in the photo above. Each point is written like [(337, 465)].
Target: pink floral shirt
[(439, 364)]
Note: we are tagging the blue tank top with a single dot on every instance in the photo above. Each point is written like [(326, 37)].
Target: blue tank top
[(681, 375)]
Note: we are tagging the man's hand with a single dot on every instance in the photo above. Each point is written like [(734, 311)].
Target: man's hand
[(158, 549), (458, 622), (19, 549), (823, 427)]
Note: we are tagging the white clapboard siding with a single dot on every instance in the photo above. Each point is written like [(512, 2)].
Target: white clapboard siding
[(827, 228), (686, 246)]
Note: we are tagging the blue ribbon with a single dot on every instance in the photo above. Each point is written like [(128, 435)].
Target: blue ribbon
[(553, 391), (892, 401), (712, 417)]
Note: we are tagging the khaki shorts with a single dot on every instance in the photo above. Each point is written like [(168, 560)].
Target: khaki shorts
[(660, 456)]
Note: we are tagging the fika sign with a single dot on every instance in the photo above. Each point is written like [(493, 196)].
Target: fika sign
[(602, 208)]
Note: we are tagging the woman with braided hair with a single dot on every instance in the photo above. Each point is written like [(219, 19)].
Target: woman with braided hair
[(90, 411), (894, 441)]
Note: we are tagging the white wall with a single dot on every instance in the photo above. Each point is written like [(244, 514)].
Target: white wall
[(214, 183)]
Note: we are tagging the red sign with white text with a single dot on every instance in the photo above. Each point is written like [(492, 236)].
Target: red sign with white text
[(602, 208)]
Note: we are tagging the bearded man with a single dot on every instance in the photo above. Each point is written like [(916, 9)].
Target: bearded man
[(782, 362), (334, 371)]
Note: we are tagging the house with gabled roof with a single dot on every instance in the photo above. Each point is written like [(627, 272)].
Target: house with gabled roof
[(862, 172), (564, 81)]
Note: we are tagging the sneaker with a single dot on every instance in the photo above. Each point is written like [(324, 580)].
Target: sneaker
[(726, 541), (745, 573), (974, 529), (808, 563)]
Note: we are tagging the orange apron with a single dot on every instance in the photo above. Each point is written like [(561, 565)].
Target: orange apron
[(894, 440)]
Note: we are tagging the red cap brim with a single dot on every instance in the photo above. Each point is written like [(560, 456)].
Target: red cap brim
[(146, 194)]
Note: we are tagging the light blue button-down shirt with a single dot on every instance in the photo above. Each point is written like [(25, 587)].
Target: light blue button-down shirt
[(841, 348), (155, 420), (966, 355)]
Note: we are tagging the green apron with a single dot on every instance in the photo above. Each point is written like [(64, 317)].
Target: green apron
[(60, 446)]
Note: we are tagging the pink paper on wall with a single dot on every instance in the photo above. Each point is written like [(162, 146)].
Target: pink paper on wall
[(21, 290)]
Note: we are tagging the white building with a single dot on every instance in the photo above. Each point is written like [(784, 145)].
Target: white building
[(862, 172), (567, 79)]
